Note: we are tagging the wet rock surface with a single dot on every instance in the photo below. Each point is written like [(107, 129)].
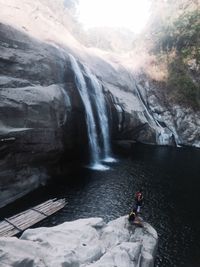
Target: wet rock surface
[(183, 122)]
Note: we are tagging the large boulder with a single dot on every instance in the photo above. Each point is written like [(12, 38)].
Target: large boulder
[(81, 243)]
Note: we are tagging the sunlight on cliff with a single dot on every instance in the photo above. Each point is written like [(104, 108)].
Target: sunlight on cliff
[(103, 13)]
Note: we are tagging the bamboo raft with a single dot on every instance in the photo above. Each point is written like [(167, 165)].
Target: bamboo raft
[(20, 222)]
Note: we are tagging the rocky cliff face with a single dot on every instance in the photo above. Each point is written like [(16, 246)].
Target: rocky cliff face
[(182, 122), (37, 105), (41, 113)]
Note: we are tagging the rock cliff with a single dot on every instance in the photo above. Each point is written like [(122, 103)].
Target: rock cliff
[(42, 115), (34, 111)]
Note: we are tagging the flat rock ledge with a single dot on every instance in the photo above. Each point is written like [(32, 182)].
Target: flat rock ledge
[(84, 242)]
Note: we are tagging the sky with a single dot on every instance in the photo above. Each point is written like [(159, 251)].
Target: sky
[(132, 14)]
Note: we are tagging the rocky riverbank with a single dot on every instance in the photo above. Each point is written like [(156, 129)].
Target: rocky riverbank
[(85, 242)]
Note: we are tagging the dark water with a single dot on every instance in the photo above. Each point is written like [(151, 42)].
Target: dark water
[(170, 178)]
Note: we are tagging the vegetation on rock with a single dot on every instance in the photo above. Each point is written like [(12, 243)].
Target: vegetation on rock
[(173, 38)]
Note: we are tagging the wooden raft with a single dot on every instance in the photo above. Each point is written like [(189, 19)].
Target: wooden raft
[(20, 222)]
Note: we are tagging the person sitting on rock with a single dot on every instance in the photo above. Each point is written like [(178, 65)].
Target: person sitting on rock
[(132, 215), (139, 199)]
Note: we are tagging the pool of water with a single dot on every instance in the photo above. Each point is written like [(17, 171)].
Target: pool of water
[(170, 178)]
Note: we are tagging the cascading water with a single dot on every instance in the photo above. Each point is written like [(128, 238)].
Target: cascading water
[(91, 126), (102, 115), (163, 136)]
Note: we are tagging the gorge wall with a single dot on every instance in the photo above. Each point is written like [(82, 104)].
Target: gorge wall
[(42, 115)]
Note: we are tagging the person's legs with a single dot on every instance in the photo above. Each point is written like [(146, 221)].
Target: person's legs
[(138, 209)]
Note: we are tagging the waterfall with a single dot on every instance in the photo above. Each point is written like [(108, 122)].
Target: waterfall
[(91, 126), (163, 135), (102, 115)]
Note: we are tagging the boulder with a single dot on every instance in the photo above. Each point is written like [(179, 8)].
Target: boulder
[(82, 243)]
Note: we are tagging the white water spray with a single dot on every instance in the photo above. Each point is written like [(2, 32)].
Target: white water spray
[(102, 116), (91, 126)]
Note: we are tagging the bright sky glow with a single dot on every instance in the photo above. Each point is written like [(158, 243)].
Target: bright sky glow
[(132, 14)]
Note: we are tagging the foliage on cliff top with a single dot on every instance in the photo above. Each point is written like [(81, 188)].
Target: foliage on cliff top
[(183, 35), (173, 39)]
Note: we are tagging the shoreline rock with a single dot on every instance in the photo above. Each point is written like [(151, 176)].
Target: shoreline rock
[(81, 243)]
